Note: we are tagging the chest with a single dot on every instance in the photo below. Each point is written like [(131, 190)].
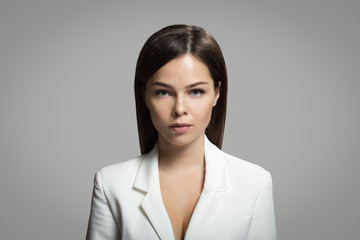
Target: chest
[(180, 195), (209, 221), (170, 215)]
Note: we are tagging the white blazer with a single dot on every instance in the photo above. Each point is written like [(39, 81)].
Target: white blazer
[(236, 201)]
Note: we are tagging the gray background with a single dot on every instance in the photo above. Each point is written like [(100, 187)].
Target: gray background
[(67, 105)]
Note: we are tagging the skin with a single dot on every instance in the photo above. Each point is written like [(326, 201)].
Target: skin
[(182, 91)]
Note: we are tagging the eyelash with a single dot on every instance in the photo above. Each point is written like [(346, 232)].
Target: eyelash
[(200, 91), (194, 92), (160, 92)]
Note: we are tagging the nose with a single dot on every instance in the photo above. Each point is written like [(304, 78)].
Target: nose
[(179, 107)]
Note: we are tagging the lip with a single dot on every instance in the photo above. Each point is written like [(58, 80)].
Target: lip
[(180, 127)]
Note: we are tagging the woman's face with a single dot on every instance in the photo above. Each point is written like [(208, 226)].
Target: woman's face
[(180, 97)]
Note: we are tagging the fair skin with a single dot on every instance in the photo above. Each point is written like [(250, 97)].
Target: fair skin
[(180, 97)]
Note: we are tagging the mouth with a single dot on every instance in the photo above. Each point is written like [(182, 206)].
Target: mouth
[(180, 127)]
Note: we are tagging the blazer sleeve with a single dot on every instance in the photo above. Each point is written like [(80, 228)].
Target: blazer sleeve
[(102, 225), (263, 224)]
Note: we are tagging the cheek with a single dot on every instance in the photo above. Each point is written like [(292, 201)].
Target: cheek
[(208, 114), (203, 112), (158, 112)]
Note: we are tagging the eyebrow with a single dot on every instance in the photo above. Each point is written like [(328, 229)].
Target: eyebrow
[(189, 86)]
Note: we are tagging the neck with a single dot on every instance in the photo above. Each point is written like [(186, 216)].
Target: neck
[(175, 157)]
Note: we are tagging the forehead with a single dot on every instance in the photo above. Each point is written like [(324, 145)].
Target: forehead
[(186, 69)]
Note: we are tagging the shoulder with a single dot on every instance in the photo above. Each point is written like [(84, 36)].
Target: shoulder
[(238, 170), (243, 171), (243, 165), (120, 174), (234, 165), (121, 167)]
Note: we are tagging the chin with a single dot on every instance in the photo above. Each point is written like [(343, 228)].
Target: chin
[(181, 139)]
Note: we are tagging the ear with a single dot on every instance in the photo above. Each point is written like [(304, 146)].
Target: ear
[(217, 95)]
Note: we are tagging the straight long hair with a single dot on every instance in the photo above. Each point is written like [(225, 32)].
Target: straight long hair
[(169, 43)]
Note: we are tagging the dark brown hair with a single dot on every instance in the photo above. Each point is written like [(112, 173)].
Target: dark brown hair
[(163, 46)]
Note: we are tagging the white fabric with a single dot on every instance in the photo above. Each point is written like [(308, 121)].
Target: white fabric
[(236, 201)]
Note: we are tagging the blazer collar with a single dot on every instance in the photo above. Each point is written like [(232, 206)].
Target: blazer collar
[(216, 180), (217, 177), (147, 177)]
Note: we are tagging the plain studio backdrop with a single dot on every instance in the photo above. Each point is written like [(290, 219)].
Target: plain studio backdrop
[(68, 109)]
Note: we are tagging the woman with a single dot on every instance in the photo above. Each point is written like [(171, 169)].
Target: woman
[(182, 186)]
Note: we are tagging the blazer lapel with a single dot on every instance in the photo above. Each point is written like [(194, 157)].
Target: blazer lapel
[(216, 180), (147, 180)]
